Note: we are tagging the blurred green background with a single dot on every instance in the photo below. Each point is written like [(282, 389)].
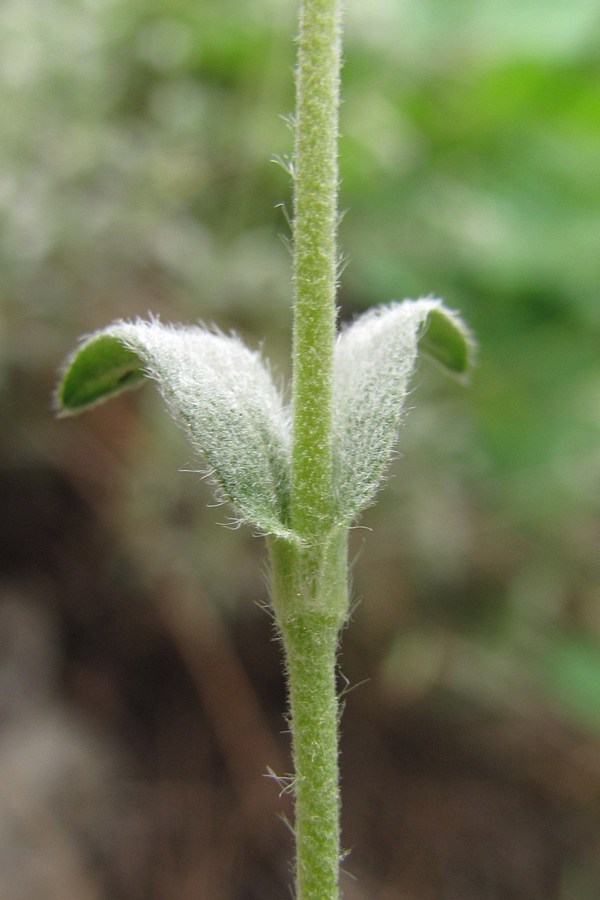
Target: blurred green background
[(141, 698)]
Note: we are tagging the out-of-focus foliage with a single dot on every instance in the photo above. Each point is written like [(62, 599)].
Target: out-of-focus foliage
[(135, 176), (135, 158), (470, 169)]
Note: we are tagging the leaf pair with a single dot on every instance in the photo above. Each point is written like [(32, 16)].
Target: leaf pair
[(224, 396)]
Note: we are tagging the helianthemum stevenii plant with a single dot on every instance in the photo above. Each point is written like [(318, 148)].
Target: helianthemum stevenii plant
[(300, 476)]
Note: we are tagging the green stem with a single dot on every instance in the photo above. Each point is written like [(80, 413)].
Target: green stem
[(310, 601), (315, 262), (311, 651), (309, 575)]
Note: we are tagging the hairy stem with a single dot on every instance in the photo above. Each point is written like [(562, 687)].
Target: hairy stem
[(315, 261), (311, 650), (309, 574), (310, 600)]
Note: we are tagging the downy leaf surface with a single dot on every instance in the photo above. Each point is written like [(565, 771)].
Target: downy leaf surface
[(218, 389), (374, 360)]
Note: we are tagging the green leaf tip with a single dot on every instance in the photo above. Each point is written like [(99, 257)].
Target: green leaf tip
[(101, 368), (446, 339)]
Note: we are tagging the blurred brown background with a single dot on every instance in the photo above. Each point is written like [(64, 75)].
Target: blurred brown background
[(141, 696)]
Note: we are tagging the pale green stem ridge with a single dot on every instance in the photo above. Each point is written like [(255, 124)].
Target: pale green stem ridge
[(315, 262)]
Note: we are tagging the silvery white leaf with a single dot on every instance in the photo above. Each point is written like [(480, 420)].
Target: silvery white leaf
[(216, 387), (374, 360)]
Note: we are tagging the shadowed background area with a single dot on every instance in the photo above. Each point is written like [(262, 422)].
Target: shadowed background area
[(141, 696)]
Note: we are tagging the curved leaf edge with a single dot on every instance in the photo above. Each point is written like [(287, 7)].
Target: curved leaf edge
[(446, 339), (101, 367)]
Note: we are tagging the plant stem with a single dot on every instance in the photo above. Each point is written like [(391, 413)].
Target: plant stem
[(315, 261), (309, 574), (310, 601), (311, 654)]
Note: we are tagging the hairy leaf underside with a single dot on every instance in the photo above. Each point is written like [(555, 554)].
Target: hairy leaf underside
[(224, 396), (374, 361)]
